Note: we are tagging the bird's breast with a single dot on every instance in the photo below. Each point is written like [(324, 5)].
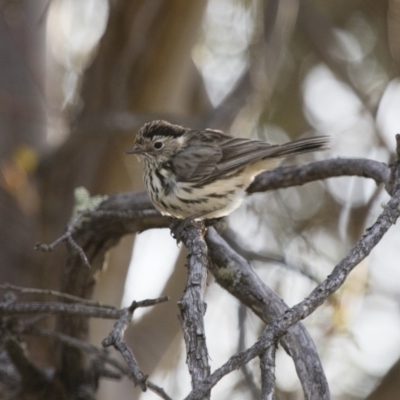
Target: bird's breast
[(161, 186)]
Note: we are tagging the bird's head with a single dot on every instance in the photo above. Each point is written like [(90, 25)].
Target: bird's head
[(158, 141)]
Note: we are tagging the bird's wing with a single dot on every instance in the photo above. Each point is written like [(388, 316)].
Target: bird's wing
[(197, 162), (203, 160), (239, 152), (216, 154)]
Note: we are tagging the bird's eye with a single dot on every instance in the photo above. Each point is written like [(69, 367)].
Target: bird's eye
[(158, 145)]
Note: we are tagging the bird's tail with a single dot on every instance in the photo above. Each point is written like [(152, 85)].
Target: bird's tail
[(302, 146)]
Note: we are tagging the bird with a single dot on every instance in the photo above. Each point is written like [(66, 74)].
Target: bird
[(203, 174)]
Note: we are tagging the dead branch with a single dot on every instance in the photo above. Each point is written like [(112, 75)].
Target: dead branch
[(55, 293), (267, 366), (285, 177), (59, 308), (192, 305), (115, 339)]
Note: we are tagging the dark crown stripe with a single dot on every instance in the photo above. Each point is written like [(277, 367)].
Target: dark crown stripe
[(162, 128)]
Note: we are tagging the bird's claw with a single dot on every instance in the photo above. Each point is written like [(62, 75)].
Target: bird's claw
[(179, 228)]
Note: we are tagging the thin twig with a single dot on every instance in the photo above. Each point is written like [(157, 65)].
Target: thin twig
[(55, 293), (71, 241), (59, 308), (67, 237), (147, 303), (157, 390), (115, 339), (75, 224)]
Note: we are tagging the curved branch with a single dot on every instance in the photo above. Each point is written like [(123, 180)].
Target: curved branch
[(115, 338), (284, 177)]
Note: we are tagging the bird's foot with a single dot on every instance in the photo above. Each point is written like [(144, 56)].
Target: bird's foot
[(180, 228)]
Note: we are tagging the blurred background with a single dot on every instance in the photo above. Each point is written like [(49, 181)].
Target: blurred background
[(78, 78)]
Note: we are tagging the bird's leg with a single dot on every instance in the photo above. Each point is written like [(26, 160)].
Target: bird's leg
[(178, 226)]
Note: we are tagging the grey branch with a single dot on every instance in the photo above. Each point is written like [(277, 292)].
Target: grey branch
[(59, 308), (303, 309), (192, 305), (55, 293), (68, 237), (267, 366), (295, 176), (75, 225), (115, 338)]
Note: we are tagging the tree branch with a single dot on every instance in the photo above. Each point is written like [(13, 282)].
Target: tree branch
[(115, 338), (267, 366), (55, 293), (59, 308), (192, 304), (284, 177)]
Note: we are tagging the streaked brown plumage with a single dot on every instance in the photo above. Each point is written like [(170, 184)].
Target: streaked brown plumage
[(205, 174)]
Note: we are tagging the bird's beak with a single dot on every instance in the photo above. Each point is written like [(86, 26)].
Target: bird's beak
[(134, 150)]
